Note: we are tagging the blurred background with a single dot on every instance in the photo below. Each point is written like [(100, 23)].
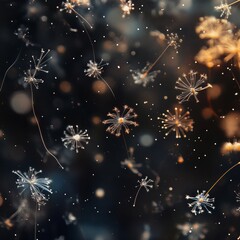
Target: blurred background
[(93, 196)]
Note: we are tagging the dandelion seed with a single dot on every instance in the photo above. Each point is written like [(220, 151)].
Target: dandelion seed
[(118, 121), (36, 185), (191, 86), (178, 123), (225, 8), (39, 65), (126, 7), (173, 40), (131, 164), (94, 69), (75, 138), (201, 202), (30, 78), (69, 7), (23, 34), (143, 77), (146, 183)]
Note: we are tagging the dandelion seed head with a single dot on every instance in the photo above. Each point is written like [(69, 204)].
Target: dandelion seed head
[(131, 164), (190, 86), (201, 202), (68, 6), (126, 7), (146, 183), (143, 77), (29, 180), (173, 40), (119, 121), (178, 122), (74, 138), (94, 69), (224, 8), (39, 66)]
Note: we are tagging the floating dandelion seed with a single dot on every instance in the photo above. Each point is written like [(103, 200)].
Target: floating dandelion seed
[(69, 7), (131, 164), (126, 7), (95, 70), (191, 86), (143, 77), (178, 123), (39, 65), (118, 121), (224, 8), (36, 185), (23, 34), (173, 40), (146, 183), (30, 78), (200, 203), (75, 138)]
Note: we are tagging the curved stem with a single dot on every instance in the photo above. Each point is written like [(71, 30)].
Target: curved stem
[(221, 178), (135, 199), (78, 14), (90, 40), (39, 128), (108, 86), (9, 69)]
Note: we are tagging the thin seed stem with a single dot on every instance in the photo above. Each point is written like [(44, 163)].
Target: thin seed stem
[(4, 77), (125, 144), (39, 128), (78, 14), (135, 199), (108, 86), (90, 40), (232, 3), (35, 223), (221, 178), (156, 61)]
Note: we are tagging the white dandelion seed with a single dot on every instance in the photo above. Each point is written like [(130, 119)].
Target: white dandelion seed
[(39, 65), (75, 138), (190, 86), (95, 70), (146, 183), (144, 77), (201, 202), (118, 121), (29, 180)]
